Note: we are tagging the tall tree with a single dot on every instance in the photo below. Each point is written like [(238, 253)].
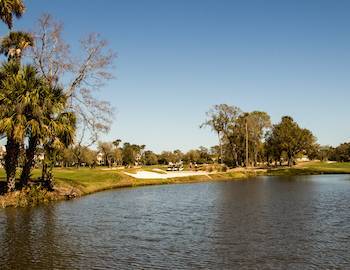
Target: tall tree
[(256, 124), (132, 153), (150, 158), (12, 118), (87, 72), (273, 150), (9, 9), (15, 85), (48, 122), (33, 111), (221, 118), (167, 156), (291, 139), (118, 156), (341, 153), (107, 149), (60, 135)]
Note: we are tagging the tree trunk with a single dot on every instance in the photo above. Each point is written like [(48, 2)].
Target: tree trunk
[(29, 161), (235, 155), (11, 183), (220, 143), (44, 170), (11, 161), (290, 160), (246, 146), (47, 170), (267, 159), (50, 178)]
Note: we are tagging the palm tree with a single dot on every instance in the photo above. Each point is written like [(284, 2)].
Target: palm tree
[(12, 119), (15, 82), (49, 124), (30, 108), (32, 101), (10, 8), (13, 45), (61, 135)]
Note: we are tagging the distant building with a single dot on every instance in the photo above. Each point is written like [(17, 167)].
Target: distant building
[(303, 159), (100, 158)]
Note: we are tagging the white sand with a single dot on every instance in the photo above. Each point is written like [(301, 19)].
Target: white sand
[(154, 175)]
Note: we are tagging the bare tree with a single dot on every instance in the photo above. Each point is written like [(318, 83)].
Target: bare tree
[(81, 75), (107, 149), (221, 118)]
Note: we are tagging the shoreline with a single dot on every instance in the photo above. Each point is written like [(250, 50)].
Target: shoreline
[(75, 183)]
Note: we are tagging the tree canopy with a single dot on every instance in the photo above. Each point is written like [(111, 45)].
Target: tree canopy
[(10, 9), (287, 137)]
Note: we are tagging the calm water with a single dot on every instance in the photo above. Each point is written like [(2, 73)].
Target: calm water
[(265, 223)]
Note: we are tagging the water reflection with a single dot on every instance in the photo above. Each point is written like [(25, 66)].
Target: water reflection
[(31, 239), (266, 223)]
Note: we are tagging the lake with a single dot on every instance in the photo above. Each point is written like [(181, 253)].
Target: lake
[(300, 222)]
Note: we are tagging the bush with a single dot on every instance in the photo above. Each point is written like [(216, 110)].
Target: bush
[(29, 196), (224, 168)]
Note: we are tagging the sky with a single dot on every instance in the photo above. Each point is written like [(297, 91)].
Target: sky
[(178, 58)]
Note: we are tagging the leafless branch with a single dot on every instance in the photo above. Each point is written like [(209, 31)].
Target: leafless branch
[(81, 75)]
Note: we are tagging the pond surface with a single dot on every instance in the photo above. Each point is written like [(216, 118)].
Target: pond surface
[(264, 223)]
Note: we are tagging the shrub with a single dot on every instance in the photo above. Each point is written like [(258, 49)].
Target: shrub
[(29, 196), (224, 168)]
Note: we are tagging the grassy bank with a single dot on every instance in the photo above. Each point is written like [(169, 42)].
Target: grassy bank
[(309, 168), (72, 182)]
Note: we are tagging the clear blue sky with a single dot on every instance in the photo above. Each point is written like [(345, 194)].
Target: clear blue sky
[(177, 58)]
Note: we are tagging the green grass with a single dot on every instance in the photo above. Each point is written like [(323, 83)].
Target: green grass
[(313, 168), (88, 180), (343, 167), (85, 180)]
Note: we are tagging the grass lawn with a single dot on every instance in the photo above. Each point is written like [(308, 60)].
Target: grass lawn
[(313, 167), (341, 167), (86, 180)]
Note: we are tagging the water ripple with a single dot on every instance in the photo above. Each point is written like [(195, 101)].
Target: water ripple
[(267, 223)]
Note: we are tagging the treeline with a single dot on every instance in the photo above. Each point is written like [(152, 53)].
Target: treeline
[(106, 154), (245, 139), (340, 153), (116, 153), (250, 139)]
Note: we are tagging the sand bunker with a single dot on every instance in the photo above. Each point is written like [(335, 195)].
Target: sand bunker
[(164, 175)]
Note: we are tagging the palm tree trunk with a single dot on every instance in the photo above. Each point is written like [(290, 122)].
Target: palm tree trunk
[(50, 178), (47, 168), (29, 160), (43, 170), (11, 161)]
